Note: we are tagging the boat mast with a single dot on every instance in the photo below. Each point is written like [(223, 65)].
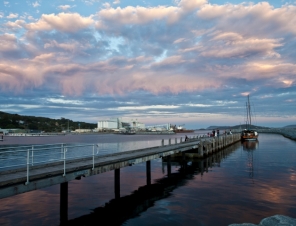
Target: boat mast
[(249, 111), (249, 120)]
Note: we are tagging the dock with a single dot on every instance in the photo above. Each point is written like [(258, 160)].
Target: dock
[(40, 174)]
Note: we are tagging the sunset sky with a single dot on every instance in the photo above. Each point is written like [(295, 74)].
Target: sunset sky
[(189, 62)]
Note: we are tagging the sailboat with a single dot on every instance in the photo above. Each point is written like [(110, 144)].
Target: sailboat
[(248, 133)]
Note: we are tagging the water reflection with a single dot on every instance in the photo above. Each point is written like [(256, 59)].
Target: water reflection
[(250, 145), (117, 211)]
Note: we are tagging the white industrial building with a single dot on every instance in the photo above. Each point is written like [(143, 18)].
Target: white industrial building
[(119, 123), (108, 124)]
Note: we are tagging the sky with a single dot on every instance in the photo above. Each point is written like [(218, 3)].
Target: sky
[(190, 62)]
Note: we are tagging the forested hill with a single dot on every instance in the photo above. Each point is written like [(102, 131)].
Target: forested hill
[(15, 121)]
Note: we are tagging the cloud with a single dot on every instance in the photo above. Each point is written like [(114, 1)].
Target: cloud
[(70, 46), (139, 14), (12, 16), (8, 42), (189, 5), (153, 49), (66, 22), (18, 24), (144, 107), (229, 45), (262, 17), (35, 4), (90, 2), (64, 7)]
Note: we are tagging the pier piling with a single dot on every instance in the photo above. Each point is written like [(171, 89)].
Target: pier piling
[(63, 202), (117, 183), (148, 172)]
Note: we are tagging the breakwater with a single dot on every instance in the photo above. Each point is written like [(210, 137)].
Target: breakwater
[(289, 133)]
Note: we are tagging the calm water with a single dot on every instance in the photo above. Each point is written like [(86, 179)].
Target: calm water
[(244, 183)]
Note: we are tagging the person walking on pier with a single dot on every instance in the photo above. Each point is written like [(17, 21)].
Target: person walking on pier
[(186, 138)]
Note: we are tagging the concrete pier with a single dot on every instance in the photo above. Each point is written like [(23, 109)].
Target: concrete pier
[(33, 177), (211, 145)]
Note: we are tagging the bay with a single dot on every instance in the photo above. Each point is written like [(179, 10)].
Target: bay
[(244, 183)]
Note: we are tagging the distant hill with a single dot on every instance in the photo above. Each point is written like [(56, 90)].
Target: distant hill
[(235, 127), (30, 123), (290, 127)]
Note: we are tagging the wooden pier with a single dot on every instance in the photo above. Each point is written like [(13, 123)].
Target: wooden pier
[(20, 180)]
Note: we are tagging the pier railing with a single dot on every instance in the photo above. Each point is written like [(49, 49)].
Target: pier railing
[(27, 158), (12, 158)]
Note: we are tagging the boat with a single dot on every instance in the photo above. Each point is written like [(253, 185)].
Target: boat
[(248, 133), (181, 129)]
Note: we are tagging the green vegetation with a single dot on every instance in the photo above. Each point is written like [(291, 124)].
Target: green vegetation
[(28, 123)]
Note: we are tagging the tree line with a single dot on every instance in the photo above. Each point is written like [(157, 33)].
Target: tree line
[(15, 121)]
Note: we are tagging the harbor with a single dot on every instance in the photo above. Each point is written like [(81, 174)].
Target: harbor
[(204, 174), (131, 113)]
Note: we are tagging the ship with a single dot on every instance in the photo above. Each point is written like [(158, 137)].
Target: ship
[(181, 129)]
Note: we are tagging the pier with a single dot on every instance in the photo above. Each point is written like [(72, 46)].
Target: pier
[(37, 172)]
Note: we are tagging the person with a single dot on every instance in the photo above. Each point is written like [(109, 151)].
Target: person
[(217, 133), (230, 132), (186, 138)]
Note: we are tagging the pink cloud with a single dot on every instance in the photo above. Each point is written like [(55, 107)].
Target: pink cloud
[(254, 19), (227, 45), (66, 22), (140, 15), (189, 5), (8, 42)]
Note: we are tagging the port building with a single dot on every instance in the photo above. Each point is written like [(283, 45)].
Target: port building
[(120, 123)]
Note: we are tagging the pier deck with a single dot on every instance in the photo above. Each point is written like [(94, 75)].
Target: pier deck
[(20, 180), (13, 182)]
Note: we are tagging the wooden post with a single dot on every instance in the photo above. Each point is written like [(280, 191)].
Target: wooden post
[(201, 166), (200, 149), (63, 202), (184, 160), (162, 142), (117, 183), (169, 165), (148, 172)]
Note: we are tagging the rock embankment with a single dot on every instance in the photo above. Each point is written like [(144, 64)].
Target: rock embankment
[(289, 133), (276, 220)]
